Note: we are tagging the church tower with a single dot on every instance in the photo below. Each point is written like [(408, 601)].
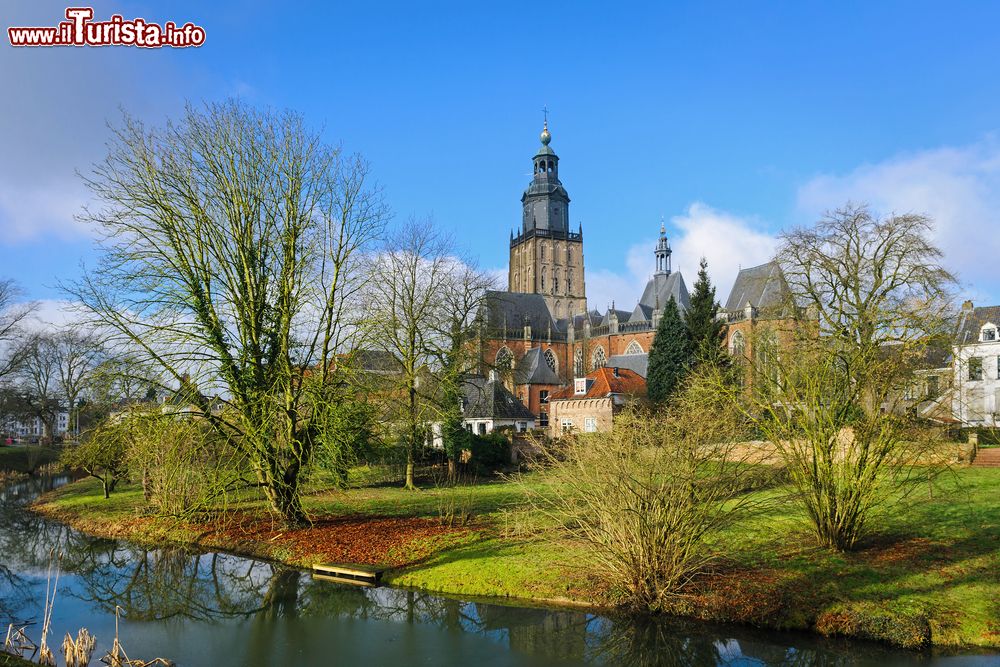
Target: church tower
[(545, 256)]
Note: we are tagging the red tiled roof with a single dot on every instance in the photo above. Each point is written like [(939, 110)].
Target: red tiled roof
[(605, 382)]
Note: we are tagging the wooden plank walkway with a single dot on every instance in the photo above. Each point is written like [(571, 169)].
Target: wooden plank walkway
[(365, 575)]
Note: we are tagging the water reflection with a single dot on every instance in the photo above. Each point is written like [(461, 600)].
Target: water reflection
[(214, 609)]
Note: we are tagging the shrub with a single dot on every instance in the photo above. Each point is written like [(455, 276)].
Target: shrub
[(490, 452), (647, 497)]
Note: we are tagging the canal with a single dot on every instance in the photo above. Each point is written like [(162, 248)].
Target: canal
[(219, 610)]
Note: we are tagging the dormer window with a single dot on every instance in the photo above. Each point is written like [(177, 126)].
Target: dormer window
[(988, 333)]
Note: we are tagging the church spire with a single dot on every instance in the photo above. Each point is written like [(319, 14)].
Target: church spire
[(662, 251)]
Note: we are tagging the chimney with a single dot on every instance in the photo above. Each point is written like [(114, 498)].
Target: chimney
[(493, 375)]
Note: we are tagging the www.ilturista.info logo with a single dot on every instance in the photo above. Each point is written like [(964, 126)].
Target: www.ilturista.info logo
[(81, 30)]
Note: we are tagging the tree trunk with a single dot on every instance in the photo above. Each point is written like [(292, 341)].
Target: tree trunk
[(409, 471), (413, 439)]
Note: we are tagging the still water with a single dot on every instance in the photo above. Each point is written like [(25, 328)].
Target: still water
[(219, 610)]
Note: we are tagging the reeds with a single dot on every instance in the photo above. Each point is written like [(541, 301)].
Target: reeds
[(77, 652)]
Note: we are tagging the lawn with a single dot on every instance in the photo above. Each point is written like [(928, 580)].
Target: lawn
[(930, 573), (26, 458)]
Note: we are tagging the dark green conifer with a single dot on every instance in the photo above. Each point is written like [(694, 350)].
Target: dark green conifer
[(670, 356)]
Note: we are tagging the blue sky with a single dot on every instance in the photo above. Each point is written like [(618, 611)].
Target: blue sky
[(732, 120)]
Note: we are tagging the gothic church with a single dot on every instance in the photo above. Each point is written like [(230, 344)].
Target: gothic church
[(539, 333)]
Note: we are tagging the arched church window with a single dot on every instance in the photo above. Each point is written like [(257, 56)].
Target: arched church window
[(599, 360), (555, 281), (737, 344), (634, 348), (558, 309), (569, 283), (578, 363), (550, 360), (505, 359), (543, 277)]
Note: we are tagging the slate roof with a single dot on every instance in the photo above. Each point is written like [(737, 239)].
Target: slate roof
[(375, 361), (603, 382), (594, 316), (510, 309), (623, 316), (763, 286), (489, 399), (658, 291), (532, 369), (971, 321), (638, 363)]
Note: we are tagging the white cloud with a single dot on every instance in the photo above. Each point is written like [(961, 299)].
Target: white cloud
[(44, 209), (727, 241), (53, 313), (958, 187)]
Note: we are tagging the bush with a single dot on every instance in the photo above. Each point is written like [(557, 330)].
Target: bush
[(647, 497), (490, 452)]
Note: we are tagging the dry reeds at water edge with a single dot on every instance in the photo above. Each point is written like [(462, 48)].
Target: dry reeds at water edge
[(77, 652)]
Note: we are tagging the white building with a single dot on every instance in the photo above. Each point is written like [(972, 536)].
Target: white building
[(976, 397), (31, 427)]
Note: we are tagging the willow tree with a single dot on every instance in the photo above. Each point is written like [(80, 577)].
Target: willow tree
[(875, 298), (232, 243)]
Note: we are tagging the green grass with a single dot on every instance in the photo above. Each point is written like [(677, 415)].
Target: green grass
[(26, 458), (13, 661), (931, 569)]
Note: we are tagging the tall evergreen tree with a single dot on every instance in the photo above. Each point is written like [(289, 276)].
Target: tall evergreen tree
[(670, 356), (707, 333)]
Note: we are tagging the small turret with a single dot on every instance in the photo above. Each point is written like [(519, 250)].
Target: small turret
[(662, 251)]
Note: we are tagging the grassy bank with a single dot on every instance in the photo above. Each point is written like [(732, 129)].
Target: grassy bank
[(26, 458), (931, 575), (13, 661)]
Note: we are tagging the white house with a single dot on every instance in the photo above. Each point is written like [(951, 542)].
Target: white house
[(976, 396), (488, 405), (31, 427)]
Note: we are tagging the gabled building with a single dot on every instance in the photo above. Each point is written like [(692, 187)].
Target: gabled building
[(487, 405), (976, 366), (759, 307), (592, 401)]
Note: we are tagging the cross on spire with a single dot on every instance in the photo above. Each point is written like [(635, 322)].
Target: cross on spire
[(545, 114)]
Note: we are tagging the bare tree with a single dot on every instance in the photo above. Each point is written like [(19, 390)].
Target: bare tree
[(77, 355), (13, 313), (881, 298), (231, 242), (420, 309), (39, 372)]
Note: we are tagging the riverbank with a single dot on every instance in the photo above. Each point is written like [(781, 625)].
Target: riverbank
[(932, 577), (26, 458), (13, 661)]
